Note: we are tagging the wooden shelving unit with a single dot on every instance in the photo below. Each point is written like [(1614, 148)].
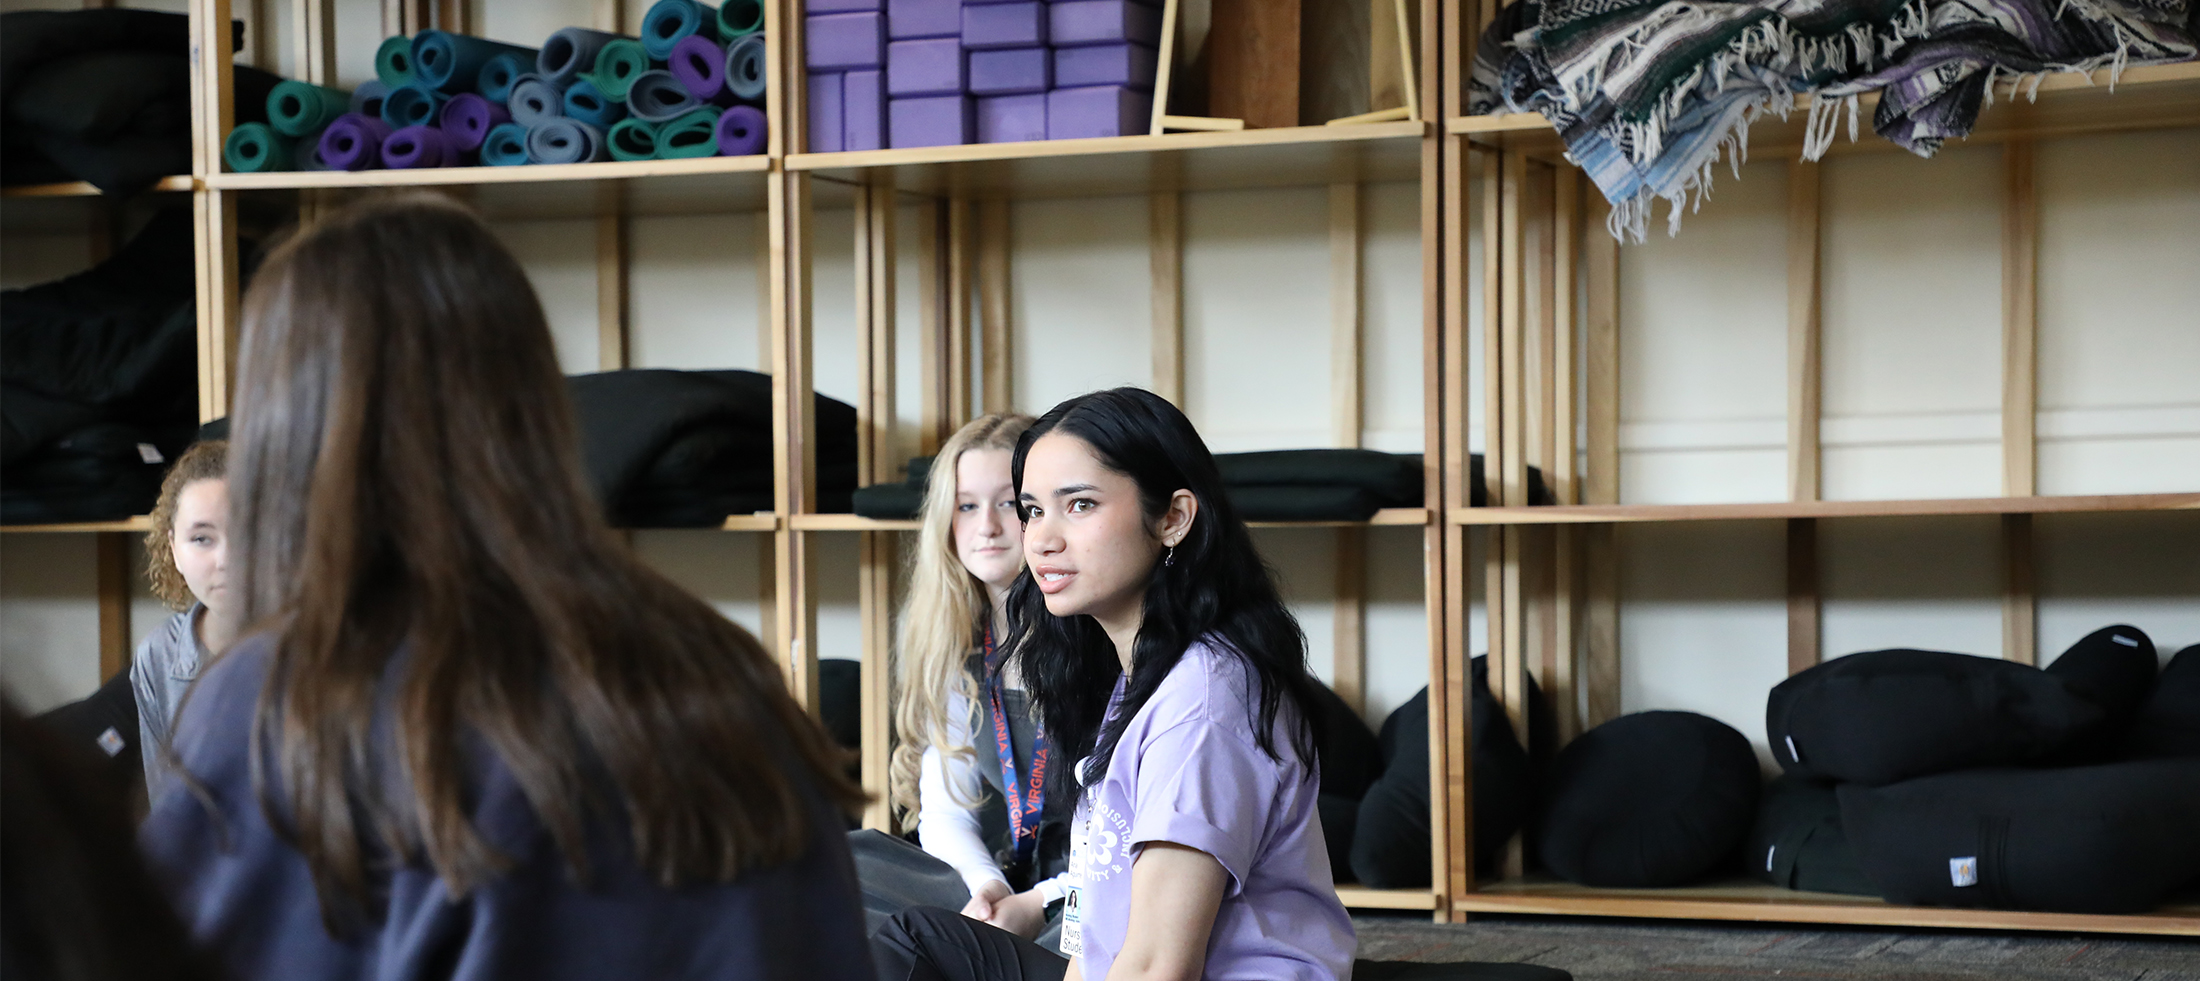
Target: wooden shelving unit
[(80, 189)]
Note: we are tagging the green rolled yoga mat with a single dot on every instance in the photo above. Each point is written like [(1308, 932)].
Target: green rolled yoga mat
[(617, 65), (691, 134), (255, 148), (393, 61), (297, 109), (633, 139), (739, 17)]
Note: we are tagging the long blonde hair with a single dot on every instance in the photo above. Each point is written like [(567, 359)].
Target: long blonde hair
[(939, 626)]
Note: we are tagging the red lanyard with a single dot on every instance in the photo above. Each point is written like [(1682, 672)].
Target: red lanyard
[(1024, 802)]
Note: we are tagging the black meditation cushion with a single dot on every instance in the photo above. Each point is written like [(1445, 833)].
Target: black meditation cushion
[(2115, 838), (1797, 842), (2169, 721), (1649, 799), (1340, 816), (1882, 716), (1350, 758), (1390, 846), (2112, 667)]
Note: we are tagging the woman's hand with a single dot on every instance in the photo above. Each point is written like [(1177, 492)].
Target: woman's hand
[(1175, 892), (982, 903), (1023, 914)]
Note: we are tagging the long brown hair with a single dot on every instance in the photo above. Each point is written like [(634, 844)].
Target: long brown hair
[(406, 475)]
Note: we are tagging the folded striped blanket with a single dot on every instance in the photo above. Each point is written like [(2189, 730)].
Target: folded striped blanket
[(1649, 94)]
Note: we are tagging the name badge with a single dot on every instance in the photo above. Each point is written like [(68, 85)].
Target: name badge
[(1073, 922)]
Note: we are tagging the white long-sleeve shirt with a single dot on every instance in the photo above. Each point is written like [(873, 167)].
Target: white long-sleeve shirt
[(947, 828)]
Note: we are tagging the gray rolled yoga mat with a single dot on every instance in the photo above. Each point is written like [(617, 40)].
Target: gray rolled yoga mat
[(571, 53), (564, 141), (745, 68), (366, 100), (659, 97), (535, 101)]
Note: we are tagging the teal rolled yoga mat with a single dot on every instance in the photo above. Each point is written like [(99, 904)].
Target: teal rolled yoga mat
[(506, 146), (298, 109), (617, 66), (668, 22), (690, 134), (739, 17), (393, 61), (412, 105), (452, 63), (633, 139), (255, 148)]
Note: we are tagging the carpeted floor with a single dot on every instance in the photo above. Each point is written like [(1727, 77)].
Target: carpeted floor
[(1637, 950)]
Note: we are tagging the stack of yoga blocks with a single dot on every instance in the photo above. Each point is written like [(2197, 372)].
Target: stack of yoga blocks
[(911, 73), (691, 86)]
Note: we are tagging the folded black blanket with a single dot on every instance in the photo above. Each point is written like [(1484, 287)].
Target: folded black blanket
[(104, 472), (669, 448)]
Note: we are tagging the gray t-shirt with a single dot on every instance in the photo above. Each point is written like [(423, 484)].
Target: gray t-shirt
[(162, 670)]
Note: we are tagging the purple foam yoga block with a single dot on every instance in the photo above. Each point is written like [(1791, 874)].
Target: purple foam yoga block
[(1105, 64), (1010, 71), (930, 66), (1098, 110), (863, 102), (826, 107), (907, 19), (814, 7), (1012, 118), (1004, 25), (933, 120), (838, 42), (1075, 22)]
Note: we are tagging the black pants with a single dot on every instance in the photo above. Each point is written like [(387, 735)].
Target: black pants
[(927, 943)]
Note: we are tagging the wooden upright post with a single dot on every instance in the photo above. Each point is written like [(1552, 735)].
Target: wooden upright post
[(2020, 257), (1805, 382)]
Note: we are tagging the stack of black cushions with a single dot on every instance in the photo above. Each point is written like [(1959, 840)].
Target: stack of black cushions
[(1275, 485), (99, 381), (1390, 842), (685, 449), (104, 96), (1350, 759), (1967, 781), (1649, 799)]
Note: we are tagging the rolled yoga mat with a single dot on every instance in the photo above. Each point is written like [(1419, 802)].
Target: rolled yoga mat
[(494, 82), (297, 109), (700, 65), (571, 53), (506, 146), (584, 102), (564, 141), (741, 131), (617, 66), (468, 118), (658, 97), (393, 61), (737, 18), (452, 63), (669, 22), (745, 68), (255, 148), (308, 155), (535, 101), (415, 147), (691, 134), (354, 142), (366, 100), (633, 139), (411, 105)]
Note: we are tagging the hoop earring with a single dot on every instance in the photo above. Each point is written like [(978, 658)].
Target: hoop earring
[(1169, 559)]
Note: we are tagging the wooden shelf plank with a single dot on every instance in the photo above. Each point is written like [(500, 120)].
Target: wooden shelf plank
[(140, 524), (1282, 157), (750, 522), (80, 189), (1361, 897), (851, 522), (703, 185), (1627, 513), (1753, 901), (1385, 518)]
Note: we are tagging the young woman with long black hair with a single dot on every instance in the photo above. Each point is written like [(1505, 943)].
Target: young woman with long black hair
[(1162, 658)]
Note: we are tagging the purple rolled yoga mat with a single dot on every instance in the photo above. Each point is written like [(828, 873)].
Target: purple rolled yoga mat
[(354, 142), (1012, 118), (418, 146), (863, 106), (907, 19), (931, 66), (700, 65), (1011, 71), (935, 120), (1100, 110), (1075, 22), (839, 42), (826, 121), (1130, 65), (1004, 25), (468, 118), (741, 132)]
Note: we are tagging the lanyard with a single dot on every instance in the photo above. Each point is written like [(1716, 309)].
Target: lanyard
[(1024, 802)]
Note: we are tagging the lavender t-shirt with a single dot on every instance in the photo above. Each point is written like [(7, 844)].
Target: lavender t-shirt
[(1189, 772)]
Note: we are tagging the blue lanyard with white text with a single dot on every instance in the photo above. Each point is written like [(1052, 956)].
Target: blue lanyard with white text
[(1024, 802)]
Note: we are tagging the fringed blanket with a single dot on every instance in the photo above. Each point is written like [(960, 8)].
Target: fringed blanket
[(1648, 94)]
